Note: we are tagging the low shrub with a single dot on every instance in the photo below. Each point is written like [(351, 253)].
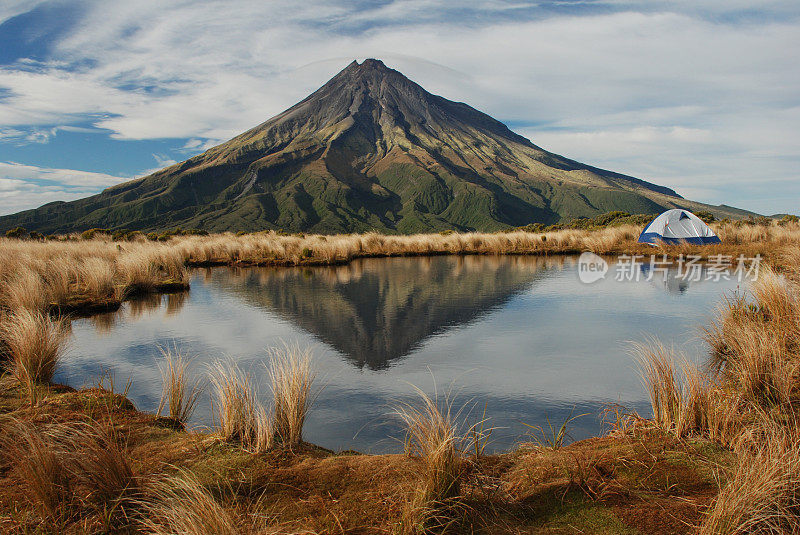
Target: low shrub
[(93, 233), (19, 233), (706, 216)]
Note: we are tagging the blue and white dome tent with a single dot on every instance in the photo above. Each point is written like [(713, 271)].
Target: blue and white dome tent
[(676, 226)]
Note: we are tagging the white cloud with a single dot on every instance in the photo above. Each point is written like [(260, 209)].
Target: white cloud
[(28, 186), (668, 91), (164, 161), (12, 8), (11, 134), (18, 195), (40, 136), (65, 177)]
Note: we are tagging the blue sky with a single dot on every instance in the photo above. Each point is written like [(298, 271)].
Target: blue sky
[(700, 96)]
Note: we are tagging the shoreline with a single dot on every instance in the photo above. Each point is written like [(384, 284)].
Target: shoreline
[(599, 485), (86, 275)]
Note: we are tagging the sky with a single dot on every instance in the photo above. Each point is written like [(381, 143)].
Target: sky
[(699, 96)]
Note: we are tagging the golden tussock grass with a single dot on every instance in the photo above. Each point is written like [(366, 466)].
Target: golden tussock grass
[(40, 275), (178, 392), (37, 465), (290, 377), (243, 418), (755, 364), (142, 268), (240, 416), (433, 441), (24, 289), (790, 259), (64, 466), (681, 395), (262, 435), (181, 504), (755, 344), (60, 284), (762, 494), (687, 400), (745, 401), (272, 248), (101, 467), (35, 342), (725, 413), (233, 399), (96, 277)]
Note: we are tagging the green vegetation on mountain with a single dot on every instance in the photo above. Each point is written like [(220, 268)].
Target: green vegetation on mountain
[(369, 150)]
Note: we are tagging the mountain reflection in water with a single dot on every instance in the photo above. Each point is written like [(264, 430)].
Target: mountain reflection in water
[(374, 312)]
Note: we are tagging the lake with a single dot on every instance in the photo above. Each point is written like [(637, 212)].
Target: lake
[(520, 337)]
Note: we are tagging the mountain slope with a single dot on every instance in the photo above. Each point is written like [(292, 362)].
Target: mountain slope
[(368, 150)]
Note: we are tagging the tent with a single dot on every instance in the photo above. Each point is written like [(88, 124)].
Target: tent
[(675, 226)]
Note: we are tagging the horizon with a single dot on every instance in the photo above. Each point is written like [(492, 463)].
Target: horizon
[(702, 99)]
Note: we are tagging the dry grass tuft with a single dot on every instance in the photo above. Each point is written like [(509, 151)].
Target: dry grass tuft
[(685, 401), (290, 378), (241, 417), (96, 276), (180, 504), (657, 366), (790, 257), (763, 492), (696, 391), (262, 433), (177, 392), (61, 465), (38, 465), (724, 417), (432, 438), (24, 289), (144, 267), (35, 343), (100, 464), (234, 400), (755, 344)]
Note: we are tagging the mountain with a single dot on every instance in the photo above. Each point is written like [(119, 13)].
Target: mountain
[(368, 150)]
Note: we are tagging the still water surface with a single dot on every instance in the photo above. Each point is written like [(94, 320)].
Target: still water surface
[(519, 336)]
